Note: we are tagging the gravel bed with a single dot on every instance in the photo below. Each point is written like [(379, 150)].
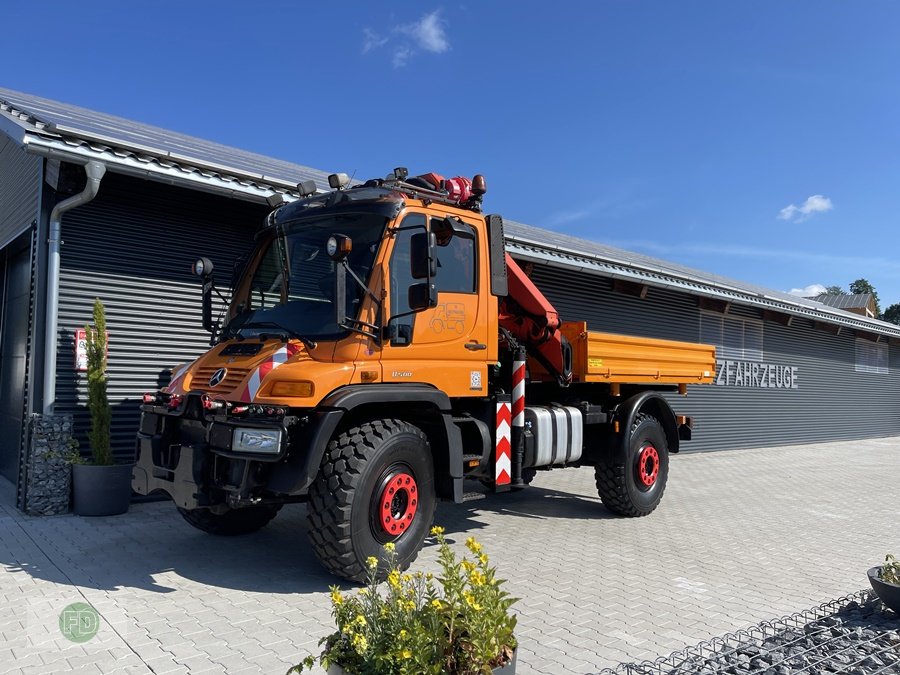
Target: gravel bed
[(855, 635)]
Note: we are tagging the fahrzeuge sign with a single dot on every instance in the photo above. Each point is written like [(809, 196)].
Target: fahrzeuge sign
[(754, 374)]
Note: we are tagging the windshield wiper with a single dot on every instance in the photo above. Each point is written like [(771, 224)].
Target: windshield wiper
[(287, 332)]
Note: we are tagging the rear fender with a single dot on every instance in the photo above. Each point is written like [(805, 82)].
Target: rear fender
[(650, 403)]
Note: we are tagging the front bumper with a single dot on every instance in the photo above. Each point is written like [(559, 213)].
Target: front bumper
[(187, 453)]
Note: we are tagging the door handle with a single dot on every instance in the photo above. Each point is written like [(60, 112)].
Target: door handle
[(475, 346)]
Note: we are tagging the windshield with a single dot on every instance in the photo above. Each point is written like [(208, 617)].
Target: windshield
[(292, 287)]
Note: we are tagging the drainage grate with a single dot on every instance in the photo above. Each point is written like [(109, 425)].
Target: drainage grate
[(855, 634)]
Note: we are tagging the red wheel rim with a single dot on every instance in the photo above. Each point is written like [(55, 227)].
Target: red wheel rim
[(397, 504), (648, 465)]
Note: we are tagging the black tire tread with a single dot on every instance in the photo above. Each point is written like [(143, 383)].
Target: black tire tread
[(331, 494), (610, 480), (231, 523)]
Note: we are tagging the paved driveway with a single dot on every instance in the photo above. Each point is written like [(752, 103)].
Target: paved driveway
[(741, 536)]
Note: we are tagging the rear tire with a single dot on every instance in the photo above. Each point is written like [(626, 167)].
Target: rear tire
[(636, 487), (375, 485), (233, 522)]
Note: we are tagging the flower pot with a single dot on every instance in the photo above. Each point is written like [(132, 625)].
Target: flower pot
[(508, 669), (101, 490), (888, 593)]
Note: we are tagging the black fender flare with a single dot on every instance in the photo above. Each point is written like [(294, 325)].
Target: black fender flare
[(298, 473), (652, 403)]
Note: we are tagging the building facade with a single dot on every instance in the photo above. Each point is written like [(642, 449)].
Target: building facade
[(790, 370)]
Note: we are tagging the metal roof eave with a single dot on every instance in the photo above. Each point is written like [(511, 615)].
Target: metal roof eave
[(125, 163), (578, 261), (11, 128)]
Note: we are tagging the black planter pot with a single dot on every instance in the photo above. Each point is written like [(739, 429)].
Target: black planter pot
[(101, 490), (508, 669), (888, 593)]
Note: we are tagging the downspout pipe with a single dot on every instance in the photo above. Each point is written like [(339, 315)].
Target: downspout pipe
[(95, 172)]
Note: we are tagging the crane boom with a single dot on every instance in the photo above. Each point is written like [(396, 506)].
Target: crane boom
[(532, 320)]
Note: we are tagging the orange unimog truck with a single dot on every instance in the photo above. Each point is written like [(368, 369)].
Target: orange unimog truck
[(380, 349)]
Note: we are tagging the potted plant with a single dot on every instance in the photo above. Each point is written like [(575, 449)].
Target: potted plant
[(885, 580), (101, 487), (457, 623)]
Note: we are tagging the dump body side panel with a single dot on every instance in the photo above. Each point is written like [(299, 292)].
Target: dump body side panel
[(611, 358)]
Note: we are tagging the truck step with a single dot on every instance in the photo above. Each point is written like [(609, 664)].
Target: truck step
[(473, 496)]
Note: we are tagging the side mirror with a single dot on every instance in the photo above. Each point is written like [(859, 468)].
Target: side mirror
[(422, 260), (203, 268), (422, 296)]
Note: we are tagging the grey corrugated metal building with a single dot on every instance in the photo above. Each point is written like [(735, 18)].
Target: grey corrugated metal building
[(790, 369)]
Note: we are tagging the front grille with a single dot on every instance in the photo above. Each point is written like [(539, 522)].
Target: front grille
[(233, 378)]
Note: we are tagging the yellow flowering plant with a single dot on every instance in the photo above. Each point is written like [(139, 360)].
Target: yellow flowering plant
[(457, 622)]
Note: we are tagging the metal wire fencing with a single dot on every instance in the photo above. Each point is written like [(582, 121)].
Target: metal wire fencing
[(855, 634)]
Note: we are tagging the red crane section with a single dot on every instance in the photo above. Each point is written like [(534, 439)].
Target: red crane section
[(534, 322)]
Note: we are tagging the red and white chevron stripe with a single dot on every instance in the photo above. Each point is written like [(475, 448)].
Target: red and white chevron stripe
[(518, 394), (503, 456), (266, 367)]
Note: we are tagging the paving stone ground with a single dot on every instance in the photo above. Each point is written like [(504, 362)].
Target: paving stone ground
[(741, 536)]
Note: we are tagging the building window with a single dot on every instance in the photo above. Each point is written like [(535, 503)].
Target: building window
[(735, 339), (871, 357)]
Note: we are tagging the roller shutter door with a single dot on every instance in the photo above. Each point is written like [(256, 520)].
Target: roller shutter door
[(133, 247), (831, 402)]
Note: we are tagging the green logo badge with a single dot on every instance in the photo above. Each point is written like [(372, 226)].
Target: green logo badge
[(79, 622)]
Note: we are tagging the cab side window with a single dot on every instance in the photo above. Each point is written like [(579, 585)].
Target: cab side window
[(456, 264), (401, 279)]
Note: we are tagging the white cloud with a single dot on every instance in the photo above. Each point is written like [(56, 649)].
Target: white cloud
[(372, 40), (401, 56), (428, 32), (809, 291), (812, 205)]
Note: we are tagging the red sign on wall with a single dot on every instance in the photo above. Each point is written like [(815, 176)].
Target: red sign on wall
[(81, 349)]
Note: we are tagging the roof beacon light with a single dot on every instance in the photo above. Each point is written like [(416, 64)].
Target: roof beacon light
[(338, 181), (306, 188), (478, 185)]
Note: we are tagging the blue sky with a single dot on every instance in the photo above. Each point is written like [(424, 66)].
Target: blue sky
[(757, 140)]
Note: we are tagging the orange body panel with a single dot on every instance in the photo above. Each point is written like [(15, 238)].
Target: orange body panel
[(607, 357)]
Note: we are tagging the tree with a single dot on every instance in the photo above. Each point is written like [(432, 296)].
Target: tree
[(892, 314), (863, 286), (98, 400), (835, 290)]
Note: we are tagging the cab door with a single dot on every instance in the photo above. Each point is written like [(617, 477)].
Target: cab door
[(446, 345)]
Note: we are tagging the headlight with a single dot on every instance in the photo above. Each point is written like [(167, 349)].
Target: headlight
[(256, 440)]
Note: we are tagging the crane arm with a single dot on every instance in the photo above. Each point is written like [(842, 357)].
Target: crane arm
[(533, 321)]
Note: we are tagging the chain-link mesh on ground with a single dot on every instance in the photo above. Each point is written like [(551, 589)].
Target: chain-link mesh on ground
[(855, 634)]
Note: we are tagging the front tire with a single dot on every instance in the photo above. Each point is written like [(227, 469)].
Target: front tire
[(636, 487), (233, 522), (375, 485)]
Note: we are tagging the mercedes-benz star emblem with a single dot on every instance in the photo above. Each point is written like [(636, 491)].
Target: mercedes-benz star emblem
[(217, 377)]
